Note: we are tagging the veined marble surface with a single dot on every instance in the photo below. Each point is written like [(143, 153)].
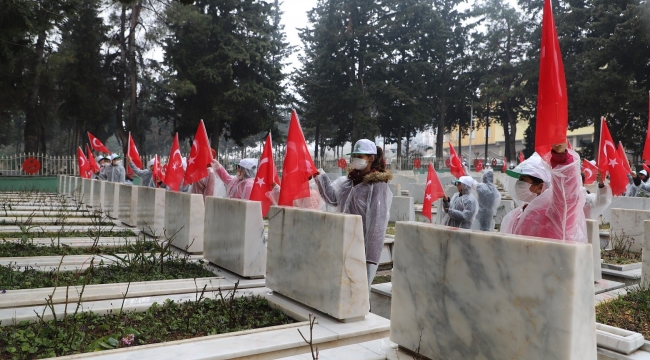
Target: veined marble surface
[(184, 219), (318, 259), (593, 235), (629, 223), (151, 210), (477, 295), (111, 199), (645, 255), (234, 236), (126, 208), (87, 191), (402, 209)]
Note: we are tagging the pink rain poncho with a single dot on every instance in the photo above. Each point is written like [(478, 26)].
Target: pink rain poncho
[(205, 186), (558, 212), (237, 188)]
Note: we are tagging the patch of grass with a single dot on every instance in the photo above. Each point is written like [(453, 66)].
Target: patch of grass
[(390, 231), (604, 226), (170, 321), (619, 252), (69, 234), (380, 279), (630, 311), (13, 277), (25, 249)]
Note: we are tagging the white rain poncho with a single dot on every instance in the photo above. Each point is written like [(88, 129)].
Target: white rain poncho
[(595, 203), (145, 175), (631, 190), (489, 200), (462, 206), (371, 199), (558, 212)]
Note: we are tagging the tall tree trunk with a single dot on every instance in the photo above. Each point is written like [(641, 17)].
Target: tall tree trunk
[(399, 144), (132, 124), (440, 135), (316, 139), (510, 131), (33, 115), (119, 109)]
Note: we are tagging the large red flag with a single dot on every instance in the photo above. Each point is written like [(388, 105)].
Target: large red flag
[(175, 173), (646, 148), (552, 102), (590, 172), (96, 144), (157, 171), (455, 165), (84, 165), (94, 166), (609, 161), (200, 156), (298, 166), (133, 153), (267, 175), (432, 192), (623, 156)]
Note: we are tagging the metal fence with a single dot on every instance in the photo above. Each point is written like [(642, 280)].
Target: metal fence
[(43, 165)]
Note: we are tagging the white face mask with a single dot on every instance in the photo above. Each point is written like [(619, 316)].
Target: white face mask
[(359, 164), (523, 193)]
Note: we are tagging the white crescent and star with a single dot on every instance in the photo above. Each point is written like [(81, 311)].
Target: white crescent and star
[(195, 150), (260, 182), (608, 143), (591, 173), (264, 161), (82, 160)]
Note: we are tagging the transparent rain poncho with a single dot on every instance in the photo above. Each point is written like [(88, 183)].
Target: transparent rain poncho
[(631, 189), (116, 173), (558, 212), (146, 176), (462, 209), (489, 199), (596, 203), (237, 188), (371, 199), (205, 186)]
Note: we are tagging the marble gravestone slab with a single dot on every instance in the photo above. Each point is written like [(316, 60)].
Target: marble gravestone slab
[(151, 210), (76, 187), (97, 196), (111, 199), (629, 223), (184, 220), (318, 259), (396, 189), (60, 180), (625, 202), (460, 294), (402, 209), (234, 236), (645, 255), (128, 204), (593, 234), (504, 208), (68, 185), (87, 191)]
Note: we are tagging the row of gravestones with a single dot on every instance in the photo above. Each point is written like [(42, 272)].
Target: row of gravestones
[(456, 294)]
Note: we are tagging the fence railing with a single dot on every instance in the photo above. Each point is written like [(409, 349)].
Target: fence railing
[(28, 164)]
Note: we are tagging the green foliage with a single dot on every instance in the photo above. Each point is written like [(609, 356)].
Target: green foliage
[(25, 249), (222, 57), (170, 321), (630, 311), (14, 277)]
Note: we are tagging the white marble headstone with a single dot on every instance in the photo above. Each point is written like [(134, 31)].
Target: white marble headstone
[(184, 219), (318, 259), (234, 236), (629, 223), (151, 210), (645, 255), (625, 202), (460, 294), (111, 199), (402, 209), (97, 195), (87, 191), (128, 204), (593, 234)]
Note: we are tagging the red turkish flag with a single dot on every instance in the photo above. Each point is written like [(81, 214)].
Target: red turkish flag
[(200, 156), (84, 165), (479, 166), (646, 148), (133, 153), (175, 173), (267, 174), (157, 171), (590, 172), (298, 165), (521, 157), (97, 145), (609, 161), (505, 165), (622, 155), (552, 101), (455, 165), (432, 192), (94, 166)]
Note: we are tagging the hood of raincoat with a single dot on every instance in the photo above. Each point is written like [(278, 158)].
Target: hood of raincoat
[(488, 177), (533, 166)]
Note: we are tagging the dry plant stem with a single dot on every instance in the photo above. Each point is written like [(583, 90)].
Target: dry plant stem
[(314, 351)]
